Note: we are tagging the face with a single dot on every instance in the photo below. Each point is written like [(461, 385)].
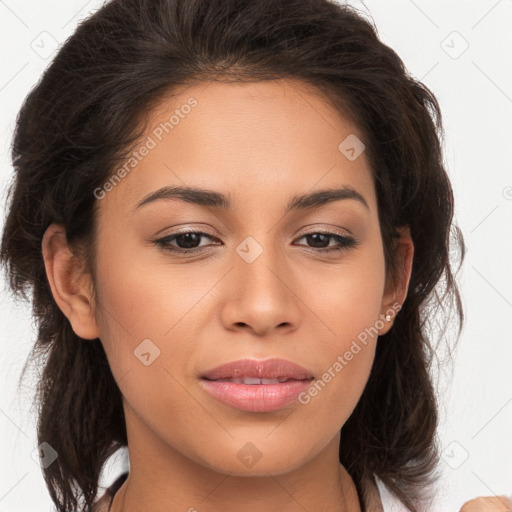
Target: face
[(261, 278)]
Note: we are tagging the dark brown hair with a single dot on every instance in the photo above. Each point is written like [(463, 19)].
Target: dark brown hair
[(88, 111)]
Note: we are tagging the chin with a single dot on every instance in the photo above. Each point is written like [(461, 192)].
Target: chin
[(249, 461)]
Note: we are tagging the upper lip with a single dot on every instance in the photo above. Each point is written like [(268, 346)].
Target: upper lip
[(269, 369)]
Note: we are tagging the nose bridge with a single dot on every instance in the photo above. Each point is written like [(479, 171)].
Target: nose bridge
[(260, 294), (259, 266)]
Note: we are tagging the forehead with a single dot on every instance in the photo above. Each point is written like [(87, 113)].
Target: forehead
[(271, 139)]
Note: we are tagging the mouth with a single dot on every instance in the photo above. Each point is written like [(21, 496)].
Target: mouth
[(252, 381), (249, 370), (257, 386)]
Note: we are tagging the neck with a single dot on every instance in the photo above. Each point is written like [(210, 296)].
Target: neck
[(251, 499), (322, 484)]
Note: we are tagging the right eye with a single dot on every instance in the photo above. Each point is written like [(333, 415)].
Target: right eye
[(187, 241)]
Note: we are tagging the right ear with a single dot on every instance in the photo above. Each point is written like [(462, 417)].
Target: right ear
[(70, 287)]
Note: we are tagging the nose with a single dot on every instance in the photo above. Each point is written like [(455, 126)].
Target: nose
[(261, 296)]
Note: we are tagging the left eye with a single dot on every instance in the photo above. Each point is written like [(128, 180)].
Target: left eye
[(343, 242), (187, 242)]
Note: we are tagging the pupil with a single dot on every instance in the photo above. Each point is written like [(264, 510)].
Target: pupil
[(189, 240), (315, 237)]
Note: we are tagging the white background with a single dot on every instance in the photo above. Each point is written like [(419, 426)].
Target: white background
[(474, 88)]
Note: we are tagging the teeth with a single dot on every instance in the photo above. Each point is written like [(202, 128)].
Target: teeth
[(251, 380)]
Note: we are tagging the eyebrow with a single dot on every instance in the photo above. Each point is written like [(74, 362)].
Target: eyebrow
[(212, 199)]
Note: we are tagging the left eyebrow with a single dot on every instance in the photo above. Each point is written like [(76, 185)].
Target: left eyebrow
[(321, 197), (212, 199)]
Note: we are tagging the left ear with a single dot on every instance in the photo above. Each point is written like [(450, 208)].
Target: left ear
[(396, 289)]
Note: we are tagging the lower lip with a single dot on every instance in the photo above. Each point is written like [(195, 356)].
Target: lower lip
[(256, 397)]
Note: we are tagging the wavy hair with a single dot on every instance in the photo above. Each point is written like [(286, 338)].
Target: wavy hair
[(88, 111)]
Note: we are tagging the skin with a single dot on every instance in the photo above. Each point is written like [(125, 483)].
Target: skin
[(261, 143), (488, 504)]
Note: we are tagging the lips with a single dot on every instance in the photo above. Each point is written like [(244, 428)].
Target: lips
[(249, 370), (257, 386), (254, 380)]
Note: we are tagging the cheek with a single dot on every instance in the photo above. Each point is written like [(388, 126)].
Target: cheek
[(144, 298), (148, 316), (347, 362), (347, 297), (349, 306)]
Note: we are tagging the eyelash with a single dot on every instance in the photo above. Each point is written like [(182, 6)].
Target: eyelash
[(345, 242)]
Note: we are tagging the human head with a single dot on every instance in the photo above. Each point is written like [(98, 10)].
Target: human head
[(73, 132)]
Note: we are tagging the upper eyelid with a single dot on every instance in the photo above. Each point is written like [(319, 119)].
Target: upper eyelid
[(325, 231)]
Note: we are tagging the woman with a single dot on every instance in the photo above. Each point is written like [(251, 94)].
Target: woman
[(234, 218)]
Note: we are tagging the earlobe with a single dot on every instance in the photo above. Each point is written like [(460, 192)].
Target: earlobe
[(396, 291), (69, 287)]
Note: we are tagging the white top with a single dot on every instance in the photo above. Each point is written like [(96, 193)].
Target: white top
[(389, 502)]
